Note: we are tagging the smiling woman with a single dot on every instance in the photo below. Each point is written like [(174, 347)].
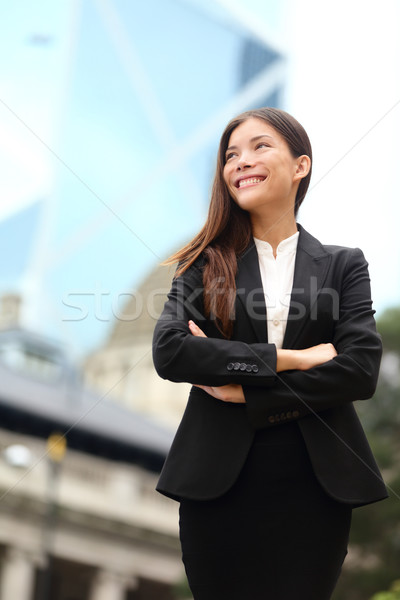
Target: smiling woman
[(276, 333), (262, 174)]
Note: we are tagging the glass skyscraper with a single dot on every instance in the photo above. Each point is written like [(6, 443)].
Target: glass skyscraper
[(121, 105)]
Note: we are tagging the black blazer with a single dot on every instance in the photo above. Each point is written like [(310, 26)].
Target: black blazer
[(330, 302)]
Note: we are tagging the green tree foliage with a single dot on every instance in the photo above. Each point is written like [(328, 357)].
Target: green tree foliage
[(392, 594), (374, 558), (182, 590), (389, 328)]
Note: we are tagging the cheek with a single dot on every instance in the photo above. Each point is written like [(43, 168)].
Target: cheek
[(225, 175)]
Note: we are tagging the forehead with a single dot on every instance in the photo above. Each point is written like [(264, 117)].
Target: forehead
[(251, 128)]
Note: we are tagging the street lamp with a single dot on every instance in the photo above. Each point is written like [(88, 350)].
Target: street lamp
[(56, 448)]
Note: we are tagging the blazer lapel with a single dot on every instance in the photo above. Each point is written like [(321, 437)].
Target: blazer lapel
[(311, 267), (249, 291)]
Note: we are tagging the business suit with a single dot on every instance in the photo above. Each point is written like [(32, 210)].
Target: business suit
[(319, 399), (295, 447)]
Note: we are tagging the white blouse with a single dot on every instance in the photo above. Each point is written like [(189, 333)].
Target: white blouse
[(277, 281)]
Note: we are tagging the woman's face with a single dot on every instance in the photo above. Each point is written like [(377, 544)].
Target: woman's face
[(260, 171)]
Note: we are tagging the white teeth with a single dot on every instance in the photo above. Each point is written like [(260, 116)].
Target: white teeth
[(243, 182)]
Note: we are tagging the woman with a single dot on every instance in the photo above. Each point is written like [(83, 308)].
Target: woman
[(276, 333)]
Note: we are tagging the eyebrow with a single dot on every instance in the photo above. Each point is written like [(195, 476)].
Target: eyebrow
[(253, 139)]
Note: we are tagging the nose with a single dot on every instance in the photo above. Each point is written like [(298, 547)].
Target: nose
[(243, 163)]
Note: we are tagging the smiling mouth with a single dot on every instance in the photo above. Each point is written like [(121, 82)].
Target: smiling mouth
[(250, 181)]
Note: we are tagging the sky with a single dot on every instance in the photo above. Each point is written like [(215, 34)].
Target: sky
[(57, 129), (344, 88)]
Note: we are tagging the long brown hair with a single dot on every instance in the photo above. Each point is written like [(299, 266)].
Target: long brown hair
[(227, 230)]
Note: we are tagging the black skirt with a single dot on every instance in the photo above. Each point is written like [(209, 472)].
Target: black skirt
[(275, 535)]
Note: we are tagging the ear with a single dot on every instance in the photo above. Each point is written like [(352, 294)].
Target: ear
[(303, 166)]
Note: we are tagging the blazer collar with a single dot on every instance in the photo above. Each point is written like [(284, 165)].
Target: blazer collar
[(250, 292), (311, 266), (310, 270)]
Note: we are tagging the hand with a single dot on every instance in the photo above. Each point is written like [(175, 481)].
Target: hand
[(195, 330), (226, 393), (316, 355)]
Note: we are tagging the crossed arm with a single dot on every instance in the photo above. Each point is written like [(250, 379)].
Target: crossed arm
[(292, 381), (285, 360)]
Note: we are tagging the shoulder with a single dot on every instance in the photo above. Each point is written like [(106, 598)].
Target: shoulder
[(346, 255), (314, 247), (193, 272)]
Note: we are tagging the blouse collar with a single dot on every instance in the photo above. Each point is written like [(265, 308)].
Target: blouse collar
[(287, 246)]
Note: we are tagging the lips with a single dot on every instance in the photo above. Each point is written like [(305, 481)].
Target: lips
[(246, 181)]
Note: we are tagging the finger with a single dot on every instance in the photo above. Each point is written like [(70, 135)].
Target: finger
[(195, 330)]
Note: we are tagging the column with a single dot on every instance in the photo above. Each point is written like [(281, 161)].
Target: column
[(108, 585), (17, 577)]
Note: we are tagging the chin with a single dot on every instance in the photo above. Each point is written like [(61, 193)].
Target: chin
[(252, 204)]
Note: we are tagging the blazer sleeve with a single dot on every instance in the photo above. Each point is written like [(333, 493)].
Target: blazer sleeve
[(179, 356), (351, 375)]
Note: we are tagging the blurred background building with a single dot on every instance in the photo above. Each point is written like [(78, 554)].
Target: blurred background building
[(110, 117), (78, 522)]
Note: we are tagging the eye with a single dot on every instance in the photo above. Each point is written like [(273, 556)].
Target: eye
[(229, 156), (262, 145)]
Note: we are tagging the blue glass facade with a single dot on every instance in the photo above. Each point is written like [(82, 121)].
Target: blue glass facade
[(145, 91)]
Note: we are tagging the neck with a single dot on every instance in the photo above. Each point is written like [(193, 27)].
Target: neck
[(273, 228)]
